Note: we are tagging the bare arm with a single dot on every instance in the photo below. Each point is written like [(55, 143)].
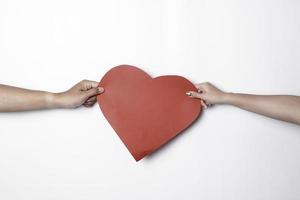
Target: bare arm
[(18, 99), (282, 107)]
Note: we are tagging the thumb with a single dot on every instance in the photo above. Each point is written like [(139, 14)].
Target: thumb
[(193, 94), (93, 92)]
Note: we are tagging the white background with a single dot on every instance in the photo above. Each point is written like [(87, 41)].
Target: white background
[(229, 154)]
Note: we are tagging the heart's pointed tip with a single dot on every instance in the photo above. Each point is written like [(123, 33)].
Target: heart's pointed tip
[(137, 159)]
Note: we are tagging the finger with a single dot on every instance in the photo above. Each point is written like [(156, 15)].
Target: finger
[(89, 104), (88, 84), (200, 87), (92, 99), (203, 104), (193, 94), (93, 92), (200, 84)]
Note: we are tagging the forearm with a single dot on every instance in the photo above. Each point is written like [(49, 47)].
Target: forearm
[(282, 107), (19, 99)]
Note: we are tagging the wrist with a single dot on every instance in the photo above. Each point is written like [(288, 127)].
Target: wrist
[(54, 100), (227, 98)]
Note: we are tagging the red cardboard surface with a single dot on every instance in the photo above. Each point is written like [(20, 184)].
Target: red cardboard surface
[(146, 112)]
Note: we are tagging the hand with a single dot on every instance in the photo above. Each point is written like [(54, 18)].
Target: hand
[(208, 94), (83, 93)]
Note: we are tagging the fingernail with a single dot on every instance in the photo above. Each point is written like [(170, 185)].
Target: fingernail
[(100, 89), (189, 94)]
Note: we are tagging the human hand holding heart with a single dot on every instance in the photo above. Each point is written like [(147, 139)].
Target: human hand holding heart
[(146, 112)]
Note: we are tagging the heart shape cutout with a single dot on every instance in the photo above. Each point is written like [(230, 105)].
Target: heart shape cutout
[(146, 112)]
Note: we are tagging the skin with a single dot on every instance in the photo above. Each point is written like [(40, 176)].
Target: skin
[(281, 107), (84, 93), (13, 99)]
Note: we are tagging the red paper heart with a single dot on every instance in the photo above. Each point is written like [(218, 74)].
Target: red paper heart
[(146, 112)]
